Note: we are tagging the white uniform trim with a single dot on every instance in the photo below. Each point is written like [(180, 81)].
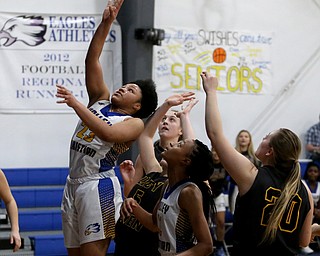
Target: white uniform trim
[(92, 195), (176, 231)]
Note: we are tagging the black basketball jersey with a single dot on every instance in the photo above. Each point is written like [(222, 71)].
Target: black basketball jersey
[(218, 180), (253, 210), (132, 238), (158, 150)]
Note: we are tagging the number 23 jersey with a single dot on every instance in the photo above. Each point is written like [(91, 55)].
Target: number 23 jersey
[(90, 155)]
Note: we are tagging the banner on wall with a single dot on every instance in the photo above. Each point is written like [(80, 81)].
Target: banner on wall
[(37, 52), (240, 59)]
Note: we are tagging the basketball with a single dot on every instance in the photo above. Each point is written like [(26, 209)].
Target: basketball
[(219, 55)]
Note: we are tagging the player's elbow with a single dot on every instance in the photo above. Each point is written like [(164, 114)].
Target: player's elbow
[(207, 248)]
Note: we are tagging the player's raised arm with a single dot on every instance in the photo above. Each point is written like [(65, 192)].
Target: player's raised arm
[(96, 87)]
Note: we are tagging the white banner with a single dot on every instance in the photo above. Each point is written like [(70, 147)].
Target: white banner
[(39, 51), (240, 59)]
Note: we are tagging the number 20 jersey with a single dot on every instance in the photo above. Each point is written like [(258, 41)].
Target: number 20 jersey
[(253, 210)]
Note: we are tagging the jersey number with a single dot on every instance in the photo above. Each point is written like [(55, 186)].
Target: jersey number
[(289, 220), (138, 195), (84, 134)]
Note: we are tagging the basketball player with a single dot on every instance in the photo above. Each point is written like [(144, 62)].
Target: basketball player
[(274, 209), (107, 128), (12, 210), (132, 238), (179, 218)]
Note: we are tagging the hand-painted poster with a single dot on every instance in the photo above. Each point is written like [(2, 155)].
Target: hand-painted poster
[(37, 52), (240, 59)]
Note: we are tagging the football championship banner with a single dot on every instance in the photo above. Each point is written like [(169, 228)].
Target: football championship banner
[(241, 60), (37, 52)]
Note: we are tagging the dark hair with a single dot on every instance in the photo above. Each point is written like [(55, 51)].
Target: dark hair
[(201, 166), (200, 169), (149, 100), (310, 164)]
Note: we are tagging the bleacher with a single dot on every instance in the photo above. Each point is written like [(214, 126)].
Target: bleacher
[(38, 193)]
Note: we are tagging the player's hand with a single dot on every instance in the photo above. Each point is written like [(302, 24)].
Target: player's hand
[(16, 240), (111, 11), (209, 82), (178, 99), (127, 171), (67, 96), (186, 110), (127, 207)]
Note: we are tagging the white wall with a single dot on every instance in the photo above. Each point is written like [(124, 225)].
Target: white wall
[(42, 140), (295, 100)]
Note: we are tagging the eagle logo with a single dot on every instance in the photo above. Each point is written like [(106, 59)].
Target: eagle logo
[(92, 228), (27, 29)]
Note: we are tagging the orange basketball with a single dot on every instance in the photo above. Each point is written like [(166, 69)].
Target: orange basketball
[(219, 55)]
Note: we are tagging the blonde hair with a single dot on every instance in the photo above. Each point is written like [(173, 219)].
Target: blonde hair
[(251, 151), (286, 150)]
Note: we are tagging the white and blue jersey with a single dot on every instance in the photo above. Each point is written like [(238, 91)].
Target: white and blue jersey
[(92, 196), (176, 234), (88, 153)]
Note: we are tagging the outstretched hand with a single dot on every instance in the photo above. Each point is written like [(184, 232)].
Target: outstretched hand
[(127, 171), (187, 109), (111, 11), (67, 96), (178, 99), (209, 82)]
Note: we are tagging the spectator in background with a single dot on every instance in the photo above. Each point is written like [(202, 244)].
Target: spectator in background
[(313, 142), (244, 145), (218, 183), (12, 210), (313, 152), (311, 179)]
